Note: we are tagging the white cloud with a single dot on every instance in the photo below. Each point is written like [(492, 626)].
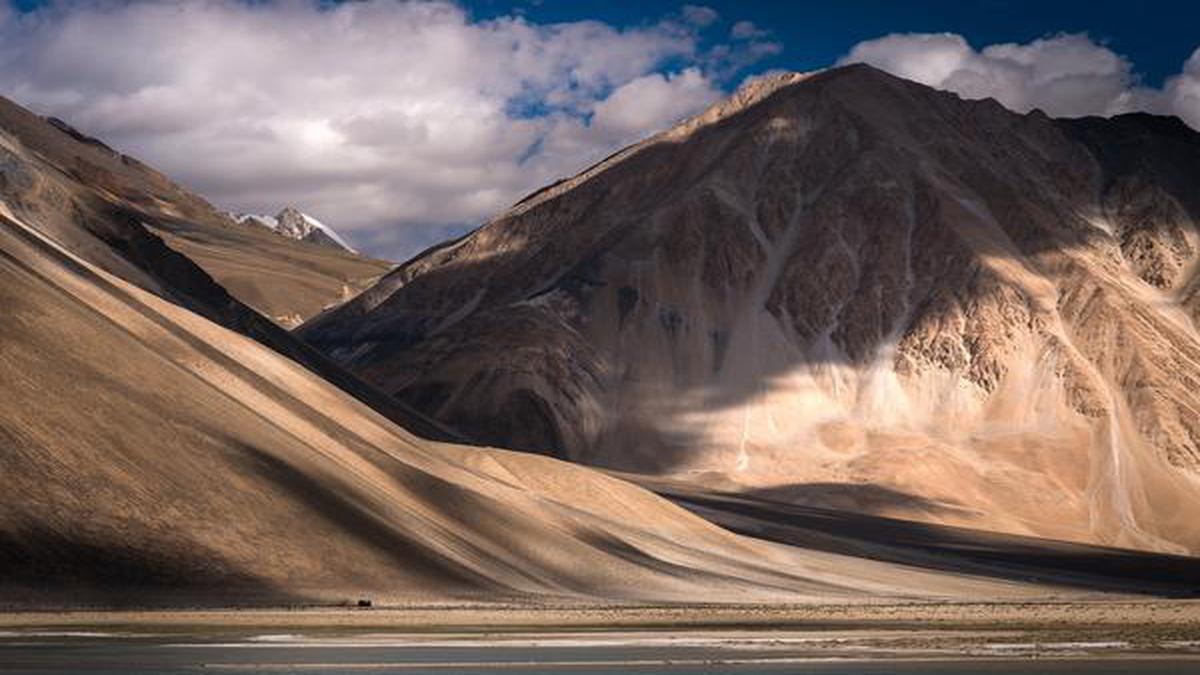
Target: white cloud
[(746, 30), (652, 101), (928, 58), (699, 15), (401, 122), (1064, 75), (393, 121), (1182, 93)]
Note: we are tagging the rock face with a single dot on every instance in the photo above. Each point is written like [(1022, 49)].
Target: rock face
[(295, 224), (841, 289)]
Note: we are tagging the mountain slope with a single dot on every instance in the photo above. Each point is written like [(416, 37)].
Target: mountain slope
[(162, 459), (283, 279), (118, 215), (163, 444), (843, 290)]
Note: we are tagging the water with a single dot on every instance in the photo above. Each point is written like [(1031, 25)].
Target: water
[(97, 654)]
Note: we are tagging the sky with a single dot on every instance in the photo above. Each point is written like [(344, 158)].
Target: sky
[(402, 123)]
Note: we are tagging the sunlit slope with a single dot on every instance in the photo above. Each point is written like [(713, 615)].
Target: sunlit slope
[(285, 279)]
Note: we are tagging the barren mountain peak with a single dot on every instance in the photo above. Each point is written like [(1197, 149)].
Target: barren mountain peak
[(844, 289)]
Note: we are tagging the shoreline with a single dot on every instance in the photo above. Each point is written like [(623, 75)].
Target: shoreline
[(1175, 615), (1158, 636), (617, 650)]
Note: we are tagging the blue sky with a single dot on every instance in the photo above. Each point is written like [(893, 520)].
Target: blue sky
[(1157, 36), (404, 123)]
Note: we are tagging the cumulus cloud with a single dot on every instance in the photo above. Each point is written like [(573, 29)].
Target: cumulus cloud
[(1181, 94), (403, 122), (645, 102), (398, 122), (1064, 75)]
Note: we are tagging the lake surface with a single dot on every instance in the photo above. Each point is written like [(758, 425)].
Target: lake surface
[(97, 653)]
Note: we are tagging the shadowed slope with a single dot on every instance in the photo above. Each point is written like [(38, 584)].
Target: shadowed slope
[(842, 278), (775, 515)]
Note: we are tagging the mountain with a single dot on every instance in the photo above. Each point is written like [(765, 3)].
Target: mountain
[(283, 279), (153, 457), (131, 221), (841, 290), (295, 224), (163, 444)]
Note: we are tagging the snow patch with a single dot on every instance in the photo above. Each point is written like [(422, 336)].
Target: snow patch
[(327, 230)]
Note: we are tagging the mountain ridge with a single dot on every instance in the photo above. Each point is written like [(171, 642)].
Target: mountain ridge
[(847, 273)]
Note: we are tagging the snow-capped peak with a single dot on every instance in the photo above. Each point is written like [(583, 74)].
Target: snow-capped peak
[(293, 223)]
